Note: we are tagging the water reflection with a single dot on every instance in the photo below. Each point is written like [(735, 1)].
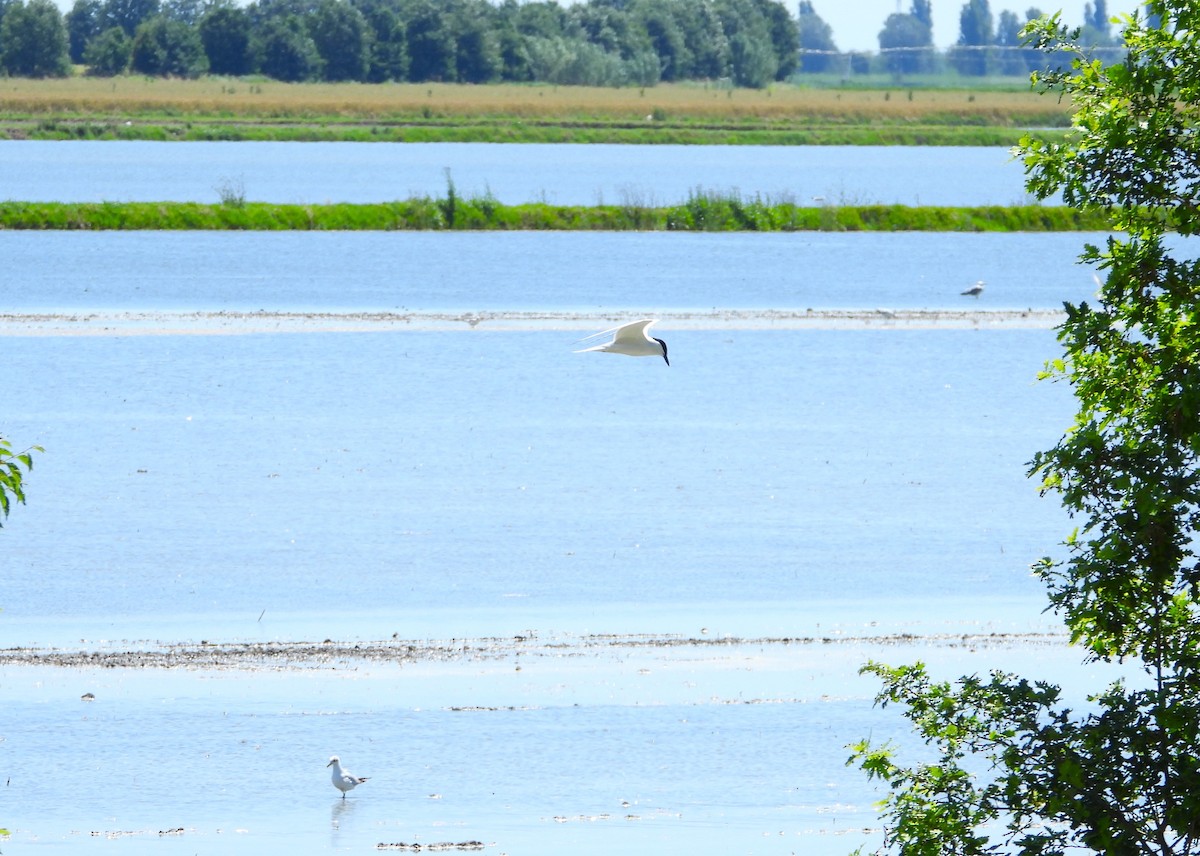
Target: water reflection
[(341, 811)]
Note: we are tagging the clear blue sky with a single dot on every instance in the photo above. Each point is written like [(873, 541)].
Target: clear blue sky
[(856, 23)]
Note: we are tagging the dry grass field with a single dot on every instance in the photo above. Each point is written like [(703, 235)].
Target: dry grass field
[(237, 99)]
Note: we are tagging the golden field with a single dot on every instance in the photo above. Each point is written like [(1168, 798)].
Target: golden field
[(111, 98)]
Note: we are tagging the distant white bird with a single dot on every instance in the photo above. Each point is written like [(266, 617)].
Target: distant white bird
[(342, 779), (975, 290), (632, 339)]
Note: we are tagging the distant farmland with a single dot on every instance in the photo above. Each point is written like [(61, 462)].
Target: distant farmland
[(229, 108)]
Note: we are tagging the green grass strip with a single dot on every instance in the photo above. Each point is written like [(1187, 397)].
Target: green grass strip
[(205, 130), (700, 213)]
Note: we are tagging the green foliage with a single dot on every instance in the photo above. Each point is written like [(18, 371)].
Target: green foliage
[(232, 192), (342, 38), (288, 52), (1013, 59), (1127, 468), (477, 49), (906, 44), (1013, 770), (431, 46), (33, 40), (166, 47), (816, 39), (309, 124), (126, 14), (225, 34), (569, 62), (784, 37), (83, 24), (973, 54), (449, 205), (597, 42), (14, 468), (750, 43), (922, 10), (388, 58), (107, 55), (703, 212), (753, 60), (665, 39)]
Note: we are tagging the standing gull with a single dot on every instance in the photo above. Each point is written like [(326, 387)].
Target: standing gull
[(975, 290), (632, 339), (343, 780)]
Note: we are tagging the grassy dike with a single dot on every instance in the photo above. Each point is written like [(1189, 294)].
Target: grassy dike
[(512, 131), (700, 213)]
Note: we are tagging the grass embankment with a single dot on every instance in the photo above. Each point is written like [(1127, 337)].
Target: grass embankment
[(698, 214), (236, 109)]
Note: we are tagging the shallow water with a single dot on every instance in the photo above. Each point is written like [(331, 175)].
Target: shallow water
[(294, 473), (423, 482), (540, 749), (439, 485)]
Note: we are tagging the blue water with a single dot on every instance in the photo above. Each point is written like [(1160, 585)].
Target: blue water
[(238, 768), (428, 484), (494, 469), (205, 484), (452, 470), (641, 273), (511, 173)]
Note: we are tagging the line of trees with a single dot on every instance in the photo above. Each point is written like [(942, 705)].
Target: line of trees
[(598, 42), (987, 44), (595, 42)]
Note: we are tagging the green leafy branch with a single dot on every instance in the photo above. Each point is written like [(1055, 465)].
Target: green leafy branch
[(14, 467), (1012, 769)]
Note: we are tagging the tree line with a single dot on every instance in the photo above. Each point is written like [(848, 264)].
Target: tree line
[(747, 43), (599, 42), (987, 44)]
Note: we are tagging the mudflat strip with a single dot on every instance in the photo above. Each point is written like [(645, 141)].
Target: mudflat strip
[(277, 656), (259, 322)]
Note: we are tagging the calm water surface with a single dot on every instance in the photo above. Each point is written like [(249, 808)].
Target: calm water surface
[(297, 473), (71, 171), (566, 271), (433, 484)]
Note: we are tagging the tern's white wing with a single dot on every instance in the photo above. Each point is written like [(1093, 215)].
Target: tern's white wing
[(611, 331), (603, 333), (634, 331)]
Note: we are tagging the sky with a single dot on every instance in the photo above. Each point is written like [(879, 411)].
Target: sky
[(856, 23)]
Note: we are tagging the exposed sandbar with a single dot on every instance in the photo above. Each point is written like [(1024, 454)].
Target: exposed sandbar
[(259, 322), (254, 656)]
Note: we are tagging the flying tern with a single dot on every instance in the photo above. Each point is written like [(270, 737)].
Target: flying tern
[(632, 339)]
